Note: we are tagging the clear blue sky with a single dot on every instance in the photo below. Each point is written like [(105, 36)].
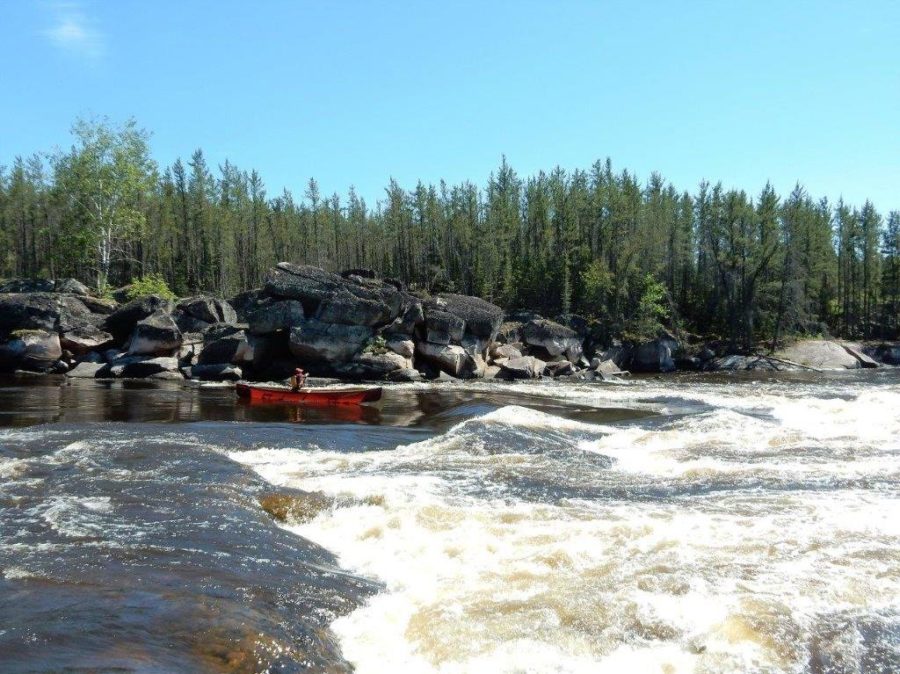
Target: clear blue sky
[(357, 92)]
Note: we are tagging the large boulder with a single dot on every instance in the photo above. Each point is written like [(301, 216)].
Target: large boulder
[(354, 300), (526, 367), (156, 334), (302, 282), (819, 354), (208, 309), (233, 348), (327, 343), (42, 311), (443, 327), (374, 365), (889, 354), (265, 319), (86, 338), (500, 351), (412, 315), (450, 358), (121, 322), (29, 311), (27, 285), (481, 318), (555, 339), (71, 286), (857, 351), (652, 356), (99, 305), (38, 350), (139, 368), (401, 346), (344, 307)]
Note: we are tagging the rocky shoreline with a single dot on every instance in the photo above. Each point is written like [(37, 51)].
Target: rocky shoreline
[(353, 326)]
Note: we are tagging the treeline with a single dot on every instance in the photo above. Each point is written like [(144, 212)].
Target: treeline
[(598, 242)]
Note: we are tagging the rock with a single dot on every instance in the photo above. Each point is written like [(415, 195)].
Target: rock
[(412, 315), (233, 348), (354, 300), (31, 311), (265, 319), (819, 354), (348, 309), (295, 507), (491, 371), (38, 350), (216, 372), (188, 323), (443, 327), (525, 367), (688, 363), (87, 338), (401, 346), (139, 368), (499, 351), (856, 351), (405, 375), (85, 370), (99, 305), (653, 356), (475, 346), (156, 334), (510, 332), (121, 323), (208, 309), (27, 285), (451, 359), (606, 368), (72, 287), (559, 368), (889, 354), (736, 362), (481, 318), (315, 342), (91, 357), (244, 302), (555, 339), (374, 365)]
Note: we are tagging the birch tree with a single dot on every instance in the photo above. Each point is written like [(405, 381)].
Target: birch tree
[(105, 180)]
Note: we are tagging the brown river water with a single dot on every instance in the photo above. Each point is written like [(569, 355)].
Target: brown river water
[(686, 524)]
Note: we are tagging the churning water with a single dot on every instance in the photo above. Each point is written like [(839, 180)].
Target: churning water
[(687, 524)]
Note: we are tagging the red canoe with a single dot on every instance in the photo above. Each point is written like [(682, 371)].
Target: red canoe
[(308, 396)]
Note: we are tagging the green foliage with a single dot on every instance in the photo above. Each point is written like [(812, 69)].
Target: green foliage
[(744, 266), (376, 345), (150, 284), (652, 309)]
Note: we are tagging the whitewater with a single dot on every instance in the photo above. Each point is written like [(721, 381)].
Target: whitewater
[(741, 527)]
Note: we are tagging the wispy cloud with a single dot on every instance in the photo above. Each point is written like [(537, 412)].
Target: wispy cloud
[(74, 32)]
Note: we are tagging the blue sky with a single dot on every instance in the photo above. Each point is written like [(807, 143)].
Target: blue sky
[(357, 92)]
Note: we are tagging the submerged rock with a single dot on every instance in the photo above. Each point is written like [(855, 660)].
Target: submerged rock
[(295, 507)]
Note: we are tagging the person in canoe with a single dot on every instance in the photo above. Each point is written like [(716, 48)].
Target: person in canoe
[(298, 379)]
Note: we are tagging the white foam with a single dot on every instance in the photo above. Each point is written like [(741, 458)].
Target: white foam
[(724, 580)]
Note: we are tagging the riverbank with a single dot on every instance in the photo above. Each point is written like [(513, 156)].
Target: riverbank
[(352, 326)]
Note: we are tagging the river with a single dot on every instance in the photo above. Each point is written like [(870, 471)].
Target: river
[(684, 524)]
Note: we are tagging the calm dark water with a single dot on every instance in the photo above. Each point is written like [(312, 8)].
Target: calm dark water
[(687, 524)]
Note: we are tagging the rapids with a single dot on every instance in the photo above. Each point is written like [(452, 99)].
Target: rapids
[(673, 525)]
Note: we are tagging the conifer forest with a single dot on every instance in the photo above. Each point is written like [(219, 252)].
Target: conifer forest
[(630, 254)]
